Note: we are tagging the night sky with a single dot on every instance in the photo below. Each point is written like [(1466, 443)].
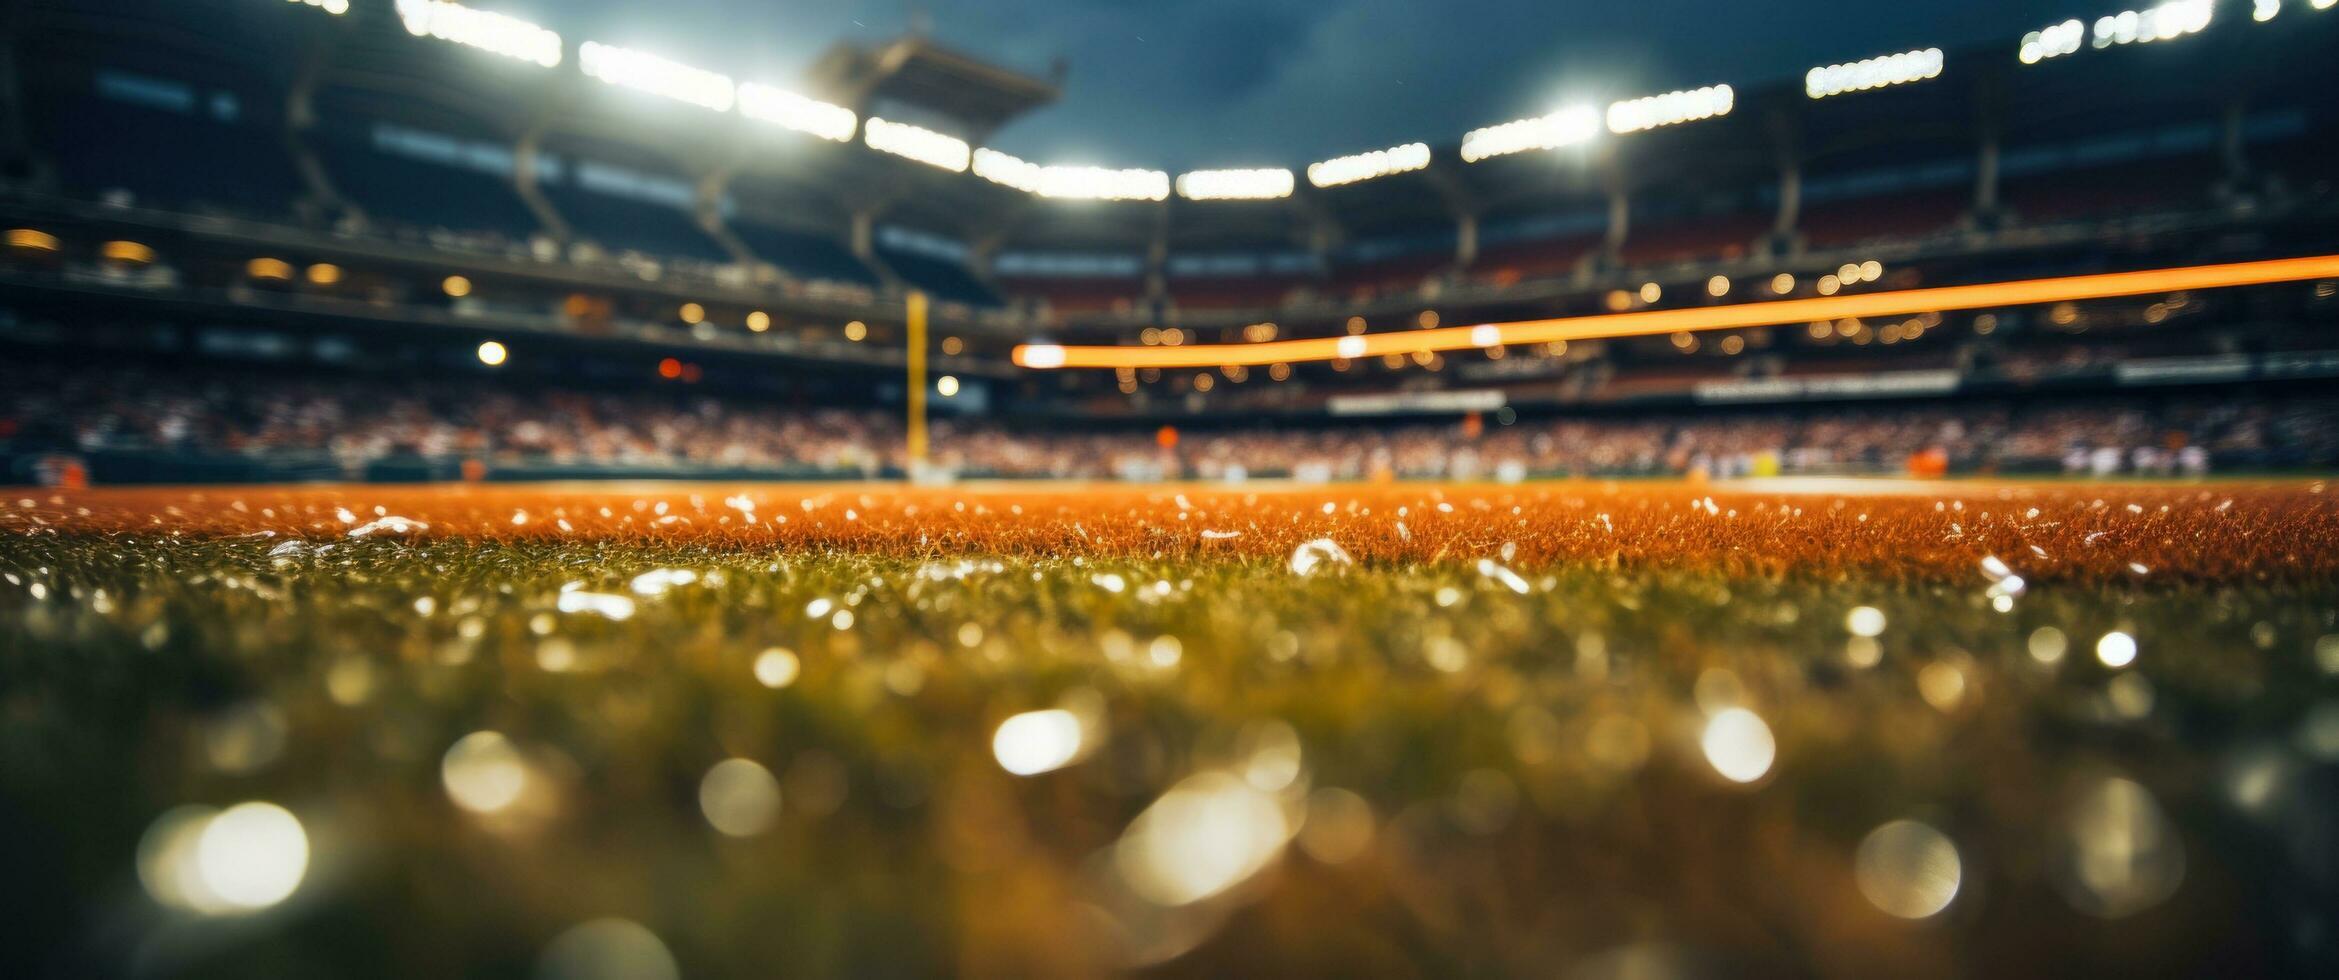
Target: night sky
[(1178, 84)]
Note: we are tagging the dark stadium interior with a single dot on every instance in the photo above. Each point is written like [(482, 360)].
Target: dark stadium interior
[(284, 284)]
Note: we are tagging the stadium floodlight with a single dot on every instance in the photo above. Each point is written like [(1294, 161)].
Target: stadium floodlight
[(2052, 42), (334, 7), (2265, 10), (1671, 108), (1008, 169), (658, 76), (2168, 21), (1103, 184), (1567, 127), (804, 115), (1366, 166), (1070, 183), (485, 30), (916, 143), (1651, 323), (1235, 185), (1873, 73)]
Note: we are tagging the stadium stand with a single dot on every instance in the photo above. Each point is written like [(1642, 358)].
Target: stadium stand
[(443, 245)]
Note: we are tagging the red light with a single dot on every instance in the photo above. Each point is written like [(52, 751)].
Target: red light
[(670, 369)]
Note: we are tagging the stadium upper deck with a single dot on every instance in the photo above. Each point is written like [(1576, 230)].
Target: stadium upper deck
[(677, 208)]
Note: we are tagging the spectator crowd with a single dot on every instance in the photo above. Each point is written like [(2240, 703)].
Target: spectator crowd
[(353, 423)]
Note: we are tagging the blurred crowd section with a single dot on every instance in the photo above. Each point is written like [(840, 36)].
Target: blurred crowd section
[(344, 428)]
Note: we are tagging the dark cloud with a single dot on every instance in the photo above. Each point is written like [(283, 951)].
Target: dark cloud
[(1186, 83)]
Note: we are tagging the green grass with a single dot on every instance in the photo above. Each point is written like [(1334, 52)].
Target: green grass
[(1540, 800)]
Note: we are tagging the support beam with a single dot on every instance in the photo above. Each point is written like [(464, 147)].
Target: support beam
[(1465, 240), (707, 205), (526, 152), (1989, 127), (861, 239), (1619, 223), (300, 116), (1787, 146), (1157, 255)]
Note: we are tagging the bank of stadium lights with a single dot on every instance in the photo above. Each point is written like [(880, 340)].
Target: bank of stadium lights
[(1567, 127), (916, 143), (1671, 108), (1103, 184), (491, 32), (1008, 169), (2166, 22), (650, 73), (334, 7), (1070, 183), (2266, 10), (804, 115), (2053, 42), (1235, 185), (1366, 166), (1873, 73)]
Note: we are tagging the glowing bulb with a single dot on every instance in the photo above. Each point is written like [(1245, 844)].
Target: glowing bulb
[(2116, 649), (1739, 745), (739, 797), (483, 772), (252, 855), (1037, 741)]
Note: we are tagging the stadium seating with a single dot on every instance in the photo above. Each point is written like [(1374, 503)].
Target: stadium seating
[(805, 256), (1535, 259), (1705, 238), (1868, 220), (1252, 292), (941, 278), (403, 191), (1079, 295), (200, 158)]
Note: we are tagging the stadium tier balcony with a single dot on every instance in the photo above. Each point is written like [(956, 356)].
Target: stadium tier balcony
[(1543, 259), (1723, 237), (1243, 293), (1885, 217), (2122, 190), (1394, 276), (620, 225), (941, 278), (169, 149), (803, 255), (397, 191), (1065, 297)]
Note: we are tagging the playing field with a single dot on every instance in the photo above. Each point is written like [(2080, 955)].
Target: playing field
[(1551, 729)]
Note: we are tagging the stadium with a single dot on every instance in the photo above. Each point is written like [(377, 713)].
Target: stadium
[(484, 496)]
